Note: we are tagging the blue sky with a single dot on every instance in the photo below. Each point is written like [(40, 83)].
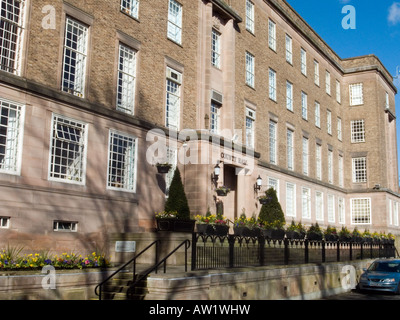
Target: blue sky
[(377, 31)]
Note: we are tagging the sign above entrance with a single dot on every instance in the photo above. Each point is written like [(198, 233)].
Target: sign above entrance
[(234, 159)]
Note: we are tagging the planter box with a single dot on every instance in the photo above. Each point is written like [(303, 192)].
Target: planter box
[(264, 200), (273, 234), (345, 238), (205, 229), (244, 232), (163, 169), (221, 192), (294, 235), (331, 237), (221, 230), (175, 225), (356, 239), (314, 236)]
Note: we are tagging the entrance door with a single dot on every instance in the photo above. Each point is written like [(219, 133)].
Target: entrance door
[(230, 201)]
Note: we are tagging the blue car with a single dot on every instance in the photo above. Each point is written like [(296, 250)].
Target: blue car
[(382, 275)]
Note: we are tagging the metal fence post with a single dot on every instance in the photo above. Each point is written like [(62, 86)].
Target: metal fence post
[(231, 240), (286, 252), (261, 242), (306, 251), (351, 251), (338, 251), (323, 251), (194, 251)]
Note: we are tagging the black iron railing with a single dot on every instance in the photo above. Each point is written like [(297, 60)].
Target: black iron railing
[(99, 288), (216, 252), (138, 278)]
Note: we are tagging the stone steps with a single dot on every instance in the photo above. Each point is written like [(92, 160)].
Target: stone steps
[(120, 288)]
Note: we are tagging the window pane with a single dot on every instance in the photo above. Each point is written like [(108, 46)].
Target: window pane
[(67, 149), (130, 7), (75, 54), (126, 79), (121, 167), (175, 21), (11, 28), (10, 136), (361, 211)]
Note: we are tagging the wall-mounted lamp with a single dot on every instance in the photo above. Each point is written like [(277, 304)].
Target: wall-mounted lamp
[(258, 184), (217, 172)]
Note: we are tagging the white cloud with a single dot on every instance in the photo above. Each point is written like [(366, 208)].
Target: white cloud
[(394, 13)]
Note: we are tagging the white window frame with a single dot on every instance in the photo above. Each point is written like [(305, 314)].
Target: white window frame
[(272, 34), (318, 161), (338, 92), (396, 214), (215, 118), (330, 166), (250, 16), (273, 142), (4, 222), (317, 114), (126, 86), (75, 82), (175, 13), (289, 49), (250, 69), (356, 94), (12, 119), (289, 96), (341, 210), (357, 131), (130, 7), (304, 105), (12, 36), (339, 129), (274, 184), (306, 203), (305, 156), (328, 82), (387, 103), (290, 200), (173, 99), (290, 149), (360, 211), (331, 208), (216, 49), (319, 206), (359, 168), (316, 72), (71, 166), (122, 161), (341, 171), (329, 122), (303, 61), (272, 84), (250, 127), (57, 226)]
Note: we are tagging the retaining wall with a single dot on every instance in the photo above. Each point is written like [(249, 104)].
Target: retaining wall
[(306, 282)]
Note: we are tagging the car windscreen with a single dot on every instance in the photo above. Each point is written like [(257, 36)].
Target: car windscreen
[(385, 266)]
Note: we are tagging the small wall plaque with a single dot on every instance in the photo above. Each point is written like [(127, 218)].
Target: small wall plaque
[(125, 246)]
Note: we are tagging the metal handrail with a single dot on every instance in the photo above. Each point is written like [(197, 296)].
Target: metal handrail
[(164, 260), (133, 260)]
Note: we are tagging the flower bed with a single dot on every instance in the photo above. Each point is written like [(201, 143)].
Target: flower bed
[(12, 260)]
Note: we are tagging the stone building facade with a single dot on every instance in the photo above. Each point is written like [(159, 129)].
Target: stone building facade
[(91, 91)]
